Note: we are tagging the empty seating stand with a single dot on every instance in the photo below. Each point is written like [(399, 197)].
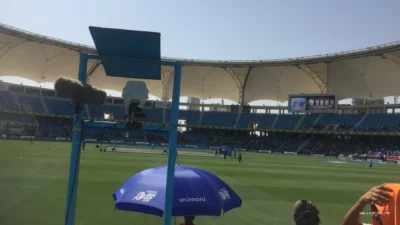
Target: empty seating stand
[(287, 122), (60, 106), (117, 111), (219, 119), (192, 117), (33, 101), (7, 101), (65, 107), (345, 121), (377, 121), (265, 120), (308, 121), (154, 115)]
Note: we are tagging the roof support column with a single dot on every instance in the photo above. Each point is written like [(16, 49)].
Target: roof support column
[(239, 83), (166, 79), (92, 69), (245, 84), (323, 87)]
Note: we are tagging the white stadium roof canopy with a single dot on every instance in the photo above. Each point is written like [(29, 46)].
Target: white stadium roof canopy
[(368, 73)]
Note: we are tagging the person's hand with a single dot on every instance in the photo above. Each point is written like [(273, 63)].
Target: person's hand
[(378, 195)]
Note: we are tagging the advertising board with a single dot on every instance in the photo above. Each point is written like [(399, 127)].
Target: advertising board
[(316, 103)]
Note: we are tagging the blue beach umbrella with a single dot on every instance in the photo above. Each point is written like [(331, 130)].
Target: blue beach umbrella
[(196, 193)]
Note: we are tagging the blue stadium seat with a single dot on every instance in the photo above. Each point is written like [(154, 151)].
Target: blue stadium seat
[(346, 121), (154, 115), (264, 121), (308, 121), (7, 101), (33, 101), (287, 122), (245, 119), (118, 111), (60, 106), (219, 119), (381, 121), (192, 117)]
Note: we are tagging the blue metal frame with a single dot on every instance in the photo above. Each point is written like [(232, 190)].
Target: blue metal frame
[(104, 124), (77, 140)]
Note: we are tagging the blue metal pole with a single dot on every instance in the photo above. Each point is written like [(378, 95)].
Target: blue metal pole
[(75, 150), (173, 136)]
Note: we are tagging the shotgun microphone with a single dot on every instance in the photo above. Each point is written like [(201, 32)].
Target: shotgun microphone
[(82, 93)]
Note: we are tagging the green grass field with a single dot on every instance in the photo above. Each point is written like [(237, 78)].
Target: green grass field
[(33, 185)]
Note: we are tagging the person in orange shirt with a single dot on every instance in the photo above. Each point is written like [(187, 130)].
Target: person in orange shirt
[(385, 204), (388, 213)]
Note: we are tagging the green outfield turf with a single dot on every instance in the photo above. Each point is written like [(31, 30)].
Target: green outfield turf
[(33, 181)]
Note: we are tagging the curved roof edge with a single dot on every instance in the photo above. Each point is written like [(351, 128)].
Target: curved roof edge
[(369, 51)]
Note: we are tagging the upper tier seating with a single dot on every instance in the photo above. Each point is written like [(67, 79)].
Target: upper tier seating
[(97, 112), (381, 121), (263, 120), (65, 107), (33, 101), (308, 121), (60, 106), (219, 119), (287, 122), (7, 101), (345, 121), (191, 117)]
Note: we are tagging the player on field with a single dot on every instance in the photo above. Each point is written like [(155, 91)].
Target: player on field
[(166, 152), (152, 146), (240, 157), (370, 164)]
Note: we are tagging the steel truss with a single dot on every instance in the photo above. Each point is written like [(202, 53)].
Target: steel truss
[(10, 45), (392, 58), (166, 79), (241, 85), (323, 87)]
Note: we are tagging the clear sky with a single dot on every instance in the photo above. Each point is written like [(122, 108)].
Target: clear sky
[(220, 29)]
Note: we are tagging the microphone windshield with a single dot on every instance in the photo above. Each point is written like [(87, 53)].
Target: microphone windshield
[(83, 93)]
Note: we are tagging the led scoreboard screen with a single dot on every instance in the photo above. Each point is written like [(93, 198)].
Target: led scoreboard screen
[(317, 103)]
